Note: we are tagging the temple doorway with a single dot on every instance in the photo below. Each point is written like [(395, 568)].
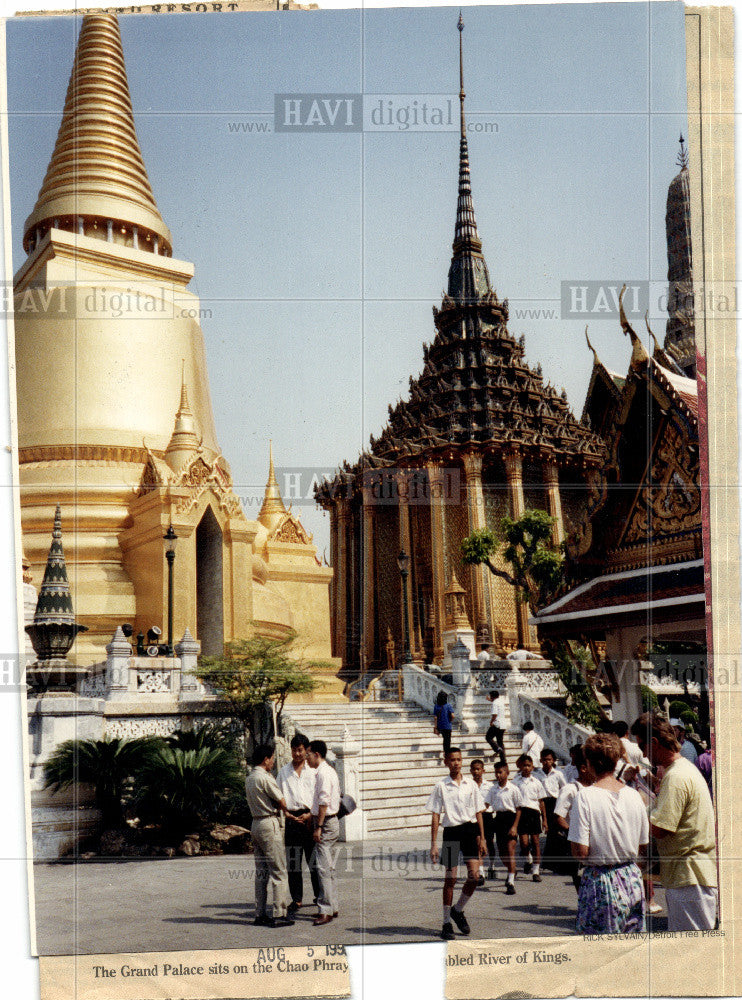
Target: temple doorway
[(209, 585)]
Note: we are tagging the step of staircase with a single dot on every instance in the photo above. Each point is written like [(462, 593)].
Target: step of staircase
[(401, 758)]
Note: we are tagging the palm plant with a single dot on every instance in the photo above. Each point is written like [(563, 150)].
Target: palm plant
[(182, 789), (207, 736), (108, 764)]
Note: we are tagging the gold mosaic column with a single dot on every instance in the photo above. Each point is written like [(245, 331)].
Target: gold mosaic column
[(477, 521), (405, 545), (435, 481), (514, 472), (368, 643), (551, 478), (341, 582)]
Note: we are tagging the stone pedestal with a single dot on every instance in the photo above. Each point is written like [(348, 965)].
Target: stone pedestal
[(516, 684), (450, 638), (187, 651), (352, 827)]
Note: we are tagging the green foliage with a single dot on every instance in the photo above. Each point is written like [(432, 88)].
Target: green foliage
[(573, 663), (182, 789), (650, 701), (690, 719), (110, 765), (677, 707), (209, 735), (536, 564), (253, 672)]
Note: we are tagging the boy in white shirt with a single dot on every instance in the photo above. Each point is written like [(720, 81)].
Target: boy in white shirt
[(532, 743), (456, 802), (563, 808), (533, 815), (553, 782), (505, 801), (488, 819)]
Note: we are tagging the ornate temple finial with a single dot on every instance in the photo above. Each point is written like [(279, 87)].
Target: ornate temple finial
[(54, 627), (659, 354), (682, 160), (96, 175), (273, 508), (468, 277), (184, 441), (639, 352), (596, 359)]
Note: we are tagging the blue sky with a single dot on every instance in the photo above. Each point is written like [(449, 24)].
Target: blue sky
[(320, 256)]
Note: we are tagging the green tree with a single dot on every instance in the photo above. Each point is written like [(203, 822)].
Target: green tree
[(183, 789), (253, 673), (650, 701), (535, 567), (109, 765)]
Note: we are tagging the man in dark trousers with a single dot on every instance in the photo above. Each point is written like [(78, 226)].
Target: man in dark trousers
[(296, 780)]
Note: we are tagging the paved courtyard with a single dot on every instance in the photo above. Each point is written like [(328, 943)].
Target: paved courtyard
[(389, 892)]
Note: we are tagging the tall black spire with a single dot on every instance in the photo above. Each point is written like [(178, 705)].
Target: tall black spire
[(468, 278)]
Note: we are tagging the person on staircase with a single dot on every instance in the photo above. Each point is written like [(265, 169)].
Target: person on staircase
[(496, 731), (443, 725)]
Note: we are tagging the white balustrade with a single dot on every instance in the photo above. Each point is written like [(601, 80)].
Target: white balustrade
[(554, 729)]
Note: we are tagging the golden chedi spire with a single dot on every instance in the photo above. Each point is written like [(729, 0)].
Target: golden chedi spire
[(184, 441), (96, 183), (273, 508)]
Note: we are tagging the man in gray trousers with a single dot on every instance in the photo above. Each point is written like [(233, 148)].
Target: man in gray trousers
[(326, 829), (266, 803)]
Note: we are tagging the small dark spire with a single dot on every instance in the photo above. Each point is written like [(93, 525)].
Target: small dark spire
[(682, 160), (468, 278)]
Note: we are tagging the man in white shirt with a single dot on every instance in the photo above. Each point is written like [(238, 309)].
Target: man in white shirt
[(457, 803), (325, 806), (532, 743), (297, 780), (484, 655)]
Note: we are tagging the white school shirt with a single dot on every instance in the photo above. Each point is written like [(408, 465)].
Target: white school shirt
[(570, 773), (504, 799), (611, 824), (326, 790), (298, 789), (566, 798), (553, 782), (484, 790), (456, 804), (531, 791), (496, 709), (532, 745)]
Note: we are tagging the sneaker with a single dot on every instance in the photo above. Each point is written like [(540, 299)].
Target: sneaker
[(480, 881), (459, 918), (527, 868), (447, 931), (655, 908), (536, 877), (510, 889)]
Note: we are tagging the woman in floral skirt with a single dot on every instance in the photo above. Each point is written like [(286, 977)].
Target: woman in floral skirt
[(608, 831)]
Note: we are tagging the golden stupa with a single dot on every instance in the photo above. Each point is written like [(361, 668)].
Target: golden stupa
[(114, 411)]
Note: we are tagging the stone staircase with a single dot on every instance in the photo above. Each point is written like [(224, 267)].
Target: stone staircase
[(401, 758)]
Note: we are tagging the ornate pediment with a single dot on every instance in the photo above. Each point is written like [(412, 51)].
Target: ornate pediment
[(198, 476), (291, 530)]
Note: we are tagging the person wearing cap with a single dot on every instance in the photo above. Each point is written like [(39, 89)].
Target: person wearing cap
[(265, 802), (682, 823), (325, 807), (687, 749)]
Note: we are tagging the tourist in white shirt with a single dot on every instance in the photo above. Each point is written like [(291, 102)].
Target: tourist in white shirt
[(457, 804), (504, 799), (325, 806), (488, 819), (297, 780), (483, 657), (608, 830), (532, 814), (532, 743)]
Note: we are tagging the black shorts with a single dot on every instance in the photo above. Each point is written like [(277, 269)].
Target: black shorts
[(459, 842), (530, 822), (503, 825)]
